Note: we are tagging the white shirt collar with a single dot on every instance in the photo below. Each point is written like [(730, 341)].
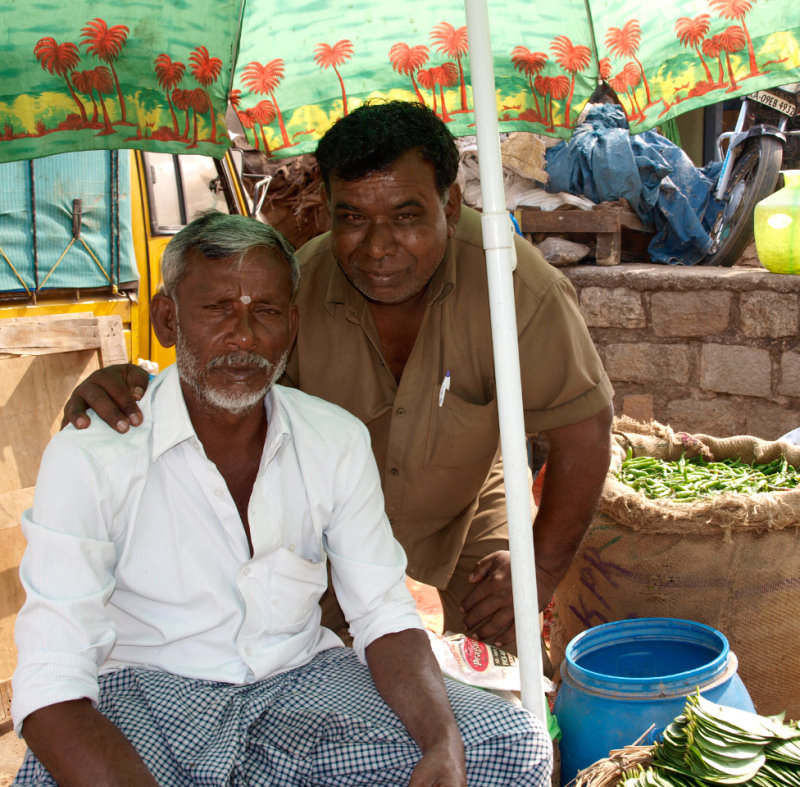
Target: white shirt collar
[(172, 424)]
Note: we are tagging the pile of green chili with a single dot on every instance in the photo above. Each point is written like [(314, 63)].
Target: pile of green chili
[(686, 480)]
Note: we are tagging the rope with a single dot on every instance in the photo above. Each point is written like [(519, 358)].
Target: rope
[(16, 273)]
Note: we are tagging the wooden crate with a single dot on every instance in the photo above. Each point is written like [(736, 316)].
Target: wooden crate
[(606, 221), (41, 360)]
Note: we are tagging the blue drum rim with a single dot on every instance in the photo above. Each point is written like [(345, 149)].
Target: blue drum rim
[(661, 686)]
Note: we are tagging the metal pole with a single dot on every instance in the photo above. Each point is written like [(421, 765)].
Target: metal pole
[(500, 261)]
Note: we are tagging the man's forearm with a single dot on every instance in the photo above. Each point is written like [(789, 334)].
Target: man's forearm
[(576, 469), (80, 747), (408, 677)]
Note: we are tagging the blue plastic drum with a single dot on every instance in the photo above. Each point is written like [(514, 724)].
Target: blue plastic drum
[(621, 678)]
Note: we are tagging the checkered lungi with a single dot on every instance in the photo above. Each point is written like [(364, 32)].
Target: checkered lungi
[(321, 724)]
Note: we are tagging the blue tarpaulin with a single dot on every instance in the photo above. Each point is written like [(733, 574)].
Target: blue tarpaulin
[(671, 196)]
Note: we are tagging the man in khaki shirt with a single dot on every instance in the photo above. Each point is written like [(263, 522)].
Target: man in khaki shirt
[(394, 299)]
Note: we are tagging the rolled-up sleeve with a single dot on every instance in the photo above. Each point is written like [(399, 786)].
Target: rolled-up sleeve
[(63, 631), (367, 563)]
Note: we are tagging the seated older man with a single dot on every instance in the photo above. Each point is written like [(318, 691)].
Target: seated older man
[(171, 632)]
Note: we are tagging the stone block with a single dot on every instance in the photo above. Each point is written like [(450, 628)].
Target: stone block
[(642, 362), (789, 382), (716, 417), (638, 407), (618, 307), (698, 313), (735, 370), (769, 314), (771, 421), (559, 251)]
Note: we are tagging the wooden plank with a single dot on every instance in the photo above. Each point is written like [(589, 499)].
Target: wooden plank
[(12, 504), (609, 246), (631, 221), (33, 391), (113, 347), (41, 360), (569, 220), (40, 336), (12, 545), (6, 724)]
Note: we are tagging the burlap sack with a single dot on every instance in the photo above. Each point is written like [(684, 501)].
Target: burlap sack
[(731, 561)]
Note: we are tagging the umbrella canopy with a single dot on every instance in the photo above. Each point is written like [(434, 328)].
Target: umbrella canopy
[(142, 74)]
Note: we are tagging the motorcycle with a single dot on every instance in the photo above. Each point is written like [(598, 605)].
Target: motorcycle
[(765, 140)]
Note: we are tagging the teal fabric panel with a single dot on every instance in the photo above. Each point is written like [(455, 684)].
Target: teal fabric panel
[(41, 197), (16, 237)]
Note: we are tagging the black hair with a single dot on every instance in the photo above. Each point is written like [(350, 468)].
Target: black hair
[(373, 136)]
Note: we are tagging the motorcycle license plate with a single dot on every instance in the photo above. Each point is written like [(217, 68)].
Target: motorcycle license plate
[(776, 102)]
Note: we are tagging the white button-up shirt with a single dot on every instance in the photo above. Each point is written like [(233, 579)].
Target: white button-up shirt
[(137, 555)]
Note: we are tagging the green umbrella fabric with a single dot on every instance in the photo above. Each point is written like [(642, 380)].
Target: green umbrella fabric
[(141, 74)]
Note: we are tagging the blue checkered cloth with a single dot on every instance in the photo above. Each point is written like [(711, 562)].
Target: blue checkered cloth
[(320, 725)]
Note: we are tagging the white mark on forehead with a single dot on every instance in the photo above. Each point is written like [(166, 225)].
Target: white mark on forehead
[(245, 299)]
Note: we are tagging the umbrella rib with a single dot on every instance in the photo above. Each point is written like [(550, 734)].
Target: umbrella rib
[(235, 49), (594, 39)]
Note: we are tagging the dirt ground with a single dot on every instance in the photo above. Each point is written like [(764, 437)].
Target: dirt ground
[(12, 750)]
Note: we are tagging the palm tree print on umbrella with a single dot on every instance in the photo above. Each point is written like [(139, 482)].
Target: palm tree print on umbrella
[(103, 83), (264, 79), (530, 64), (206, 71), (183, 103), (426, 79), (169, 73), (407, 60), (97, 79), (199, 104), (626, 82), (327, 56), (264, 113), (732, 40), (623, 43), (691, 33), (445, 75), (712, 47), (738, 9), (60, 59), (552, 88), (572, 59), (453, 42), (248, 124), (106, 43), (83, 82)]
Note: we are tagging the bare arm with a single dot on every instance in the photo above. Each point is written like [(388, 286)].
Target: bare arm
[(112, 392), (408, 677), (576, 470), (81, 747)]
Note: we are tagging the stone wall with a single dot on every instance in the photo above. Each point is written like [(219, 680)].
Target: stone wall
[(711, 350)]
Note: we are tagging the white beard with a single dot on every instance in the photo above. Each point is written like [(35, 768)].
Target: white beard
[(195, 376)]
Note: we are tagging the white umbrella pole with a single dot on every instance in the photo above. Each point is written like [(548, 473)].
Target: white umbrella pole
[(500, 262)]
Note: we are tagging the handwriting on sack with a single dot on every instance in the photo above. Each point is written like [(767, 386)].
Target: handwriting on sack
[(594, 570)]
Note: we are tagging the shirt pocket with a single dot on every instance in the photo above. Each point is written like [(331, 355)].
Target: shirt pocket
[(461, 433), (296, 586)]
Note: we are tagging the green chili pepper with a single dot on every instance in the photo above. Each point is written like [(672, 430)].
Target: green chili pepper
[(688, 479)]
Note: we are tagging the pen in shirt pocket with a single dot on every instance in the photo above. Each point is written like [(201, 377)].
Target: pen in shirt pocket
[(444, 388)]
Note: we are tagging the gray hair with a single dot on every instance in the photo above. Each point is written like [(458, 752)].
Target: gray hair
[(216, 235)]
